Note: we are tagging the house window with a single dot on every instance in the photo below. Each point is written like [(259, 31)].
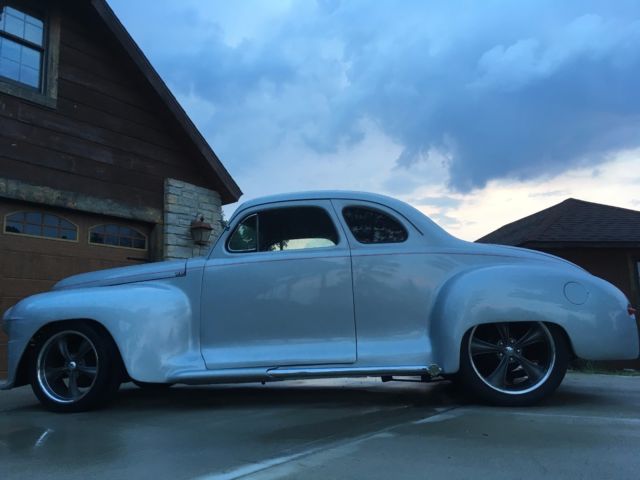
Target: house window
[(39, 224), (290, 228), (372, 226), (117, 236), (21, 47), (29, 50)]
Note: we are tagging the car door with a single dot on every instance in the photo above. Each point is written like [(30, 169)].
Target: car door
[(277, 290), (394, 283)]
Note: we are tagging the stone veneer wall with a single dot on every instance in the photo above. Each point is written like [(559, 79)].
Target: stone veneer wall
[(183, 203)]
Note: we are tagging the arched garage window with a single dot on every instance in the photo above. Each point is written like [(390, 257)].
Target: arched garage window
[(117, 236), (39, 224)]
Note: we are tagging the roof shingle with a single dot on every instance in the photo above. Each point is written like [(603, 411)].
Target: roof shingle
[(571, 221)]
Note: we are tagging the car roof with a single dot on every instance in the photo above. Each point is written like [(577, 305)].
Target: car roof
[(322, 195)]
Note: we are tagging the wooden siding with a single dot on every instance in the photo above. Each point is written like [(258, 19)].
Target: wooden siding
[(33, 264), (109, 136)]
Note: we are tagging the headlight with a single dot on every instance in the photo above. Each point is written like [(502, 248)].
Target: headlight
[(4, 321)]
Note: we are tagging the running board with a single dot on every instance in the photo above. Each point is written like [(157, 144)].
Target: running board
[(260, 374), (282, 373), (412, 379)]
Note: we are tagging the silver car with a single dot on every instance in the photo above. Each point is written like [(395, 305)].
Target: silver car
[(321, 284)]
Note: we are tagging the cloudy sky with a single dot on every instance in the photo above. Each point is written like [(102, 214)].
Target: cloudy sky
[(477, 113)]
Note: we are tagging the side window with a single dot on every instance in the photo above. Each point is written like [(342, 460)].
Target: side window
[(289, 228), (372, 226), (245, 236), (296, 228)]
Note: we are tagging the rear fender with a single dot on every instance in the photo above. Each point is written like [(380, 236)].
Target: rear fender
[(598, 329)]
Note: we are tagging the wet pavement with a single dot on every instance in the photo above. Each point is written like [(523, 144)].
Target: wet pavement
[(328, 429)]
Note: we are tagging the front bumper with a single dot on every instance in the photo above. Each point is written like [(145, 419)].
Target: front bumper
[(5, 383), (15, 350), (18, 341)]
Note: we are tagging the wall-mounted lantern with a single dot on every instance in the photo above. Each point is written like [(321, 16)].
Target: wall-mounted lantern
[(200, 231)]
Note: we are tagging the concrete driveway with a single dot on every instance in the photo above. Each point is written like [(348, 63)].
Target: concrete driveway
[(328, 429)]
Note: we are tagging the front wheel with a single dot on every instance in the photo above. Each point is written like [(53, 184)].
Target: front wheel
[(74, 367), (513, 364)]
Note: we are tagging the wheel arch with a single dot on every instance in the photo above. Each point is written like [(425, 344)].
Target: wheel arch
[(564, 335), (22, 373), (551, 325), (155, 325), (499, 293)]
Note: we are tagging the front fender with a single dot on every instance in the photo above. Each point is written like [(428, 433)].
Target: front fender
[(596, 322), (152, 323)]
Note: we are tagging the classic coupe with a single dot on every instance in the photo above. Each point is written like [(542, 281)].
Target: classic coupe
[(321, 284)]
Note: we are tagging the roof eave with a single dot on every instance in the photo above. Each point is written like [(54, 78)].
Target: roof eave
[(581, 244), (231, 191)]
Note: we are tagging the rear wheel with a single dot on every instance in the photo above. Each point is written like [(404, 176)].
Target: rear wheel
[(74, 367), (513, 363)]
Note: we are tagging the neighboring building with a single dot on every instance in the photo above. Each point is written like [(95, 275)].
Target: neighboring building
[(99, 165), (602, 239)]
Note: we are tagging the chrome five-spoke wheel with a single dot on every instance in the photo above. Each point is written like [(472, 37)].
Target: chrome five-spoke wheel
[(75, 366), (67, 366), (513, 363)]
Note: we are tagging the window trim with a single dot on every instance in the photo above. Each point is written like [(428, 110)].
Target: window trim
[(47, 94), (94, 244), (280, 252), (374, 209), (42, 212)]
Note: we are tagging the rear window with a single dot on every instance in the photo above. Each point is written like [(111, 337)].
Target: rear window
[(373, 226)]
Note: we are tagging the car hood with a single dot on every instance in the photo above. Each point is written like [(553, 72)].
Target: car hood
[(119, 276)]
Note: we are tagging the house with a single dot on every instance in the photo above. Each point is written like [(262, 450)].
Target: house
[(99, 165), (602, 239)]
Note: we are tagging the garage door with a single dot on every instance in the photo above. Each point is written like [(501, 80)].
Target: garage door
[(39, 246)]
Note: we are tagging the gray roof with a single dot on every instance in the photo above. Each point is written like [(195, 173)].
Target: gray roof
[(571, 222), (323, 195)]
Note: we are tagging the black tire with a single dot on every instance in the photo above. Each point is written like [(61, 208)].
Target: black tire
[(513, 364), (152, 386), (74, 367)]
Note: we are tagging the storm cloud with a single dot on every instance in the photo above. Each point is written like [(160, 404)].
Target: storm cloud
[(486, 90)]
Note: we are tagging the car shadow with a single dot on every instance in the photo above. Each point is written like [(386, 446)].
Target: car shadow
[(572, 396), (291, 394), (309, 394)]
